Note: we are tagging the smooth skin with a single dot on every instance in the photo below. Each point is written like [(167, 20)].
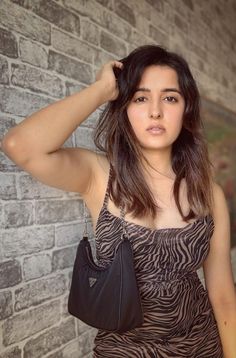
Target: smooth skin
[(35, 146)]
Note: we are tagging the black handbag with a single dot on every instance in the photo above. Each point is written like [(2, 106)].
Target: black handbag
[(106, 298)]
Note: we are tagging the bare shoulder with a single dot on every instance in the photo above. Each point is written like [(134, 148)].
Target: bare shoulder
[(218, 192), (220, 208)]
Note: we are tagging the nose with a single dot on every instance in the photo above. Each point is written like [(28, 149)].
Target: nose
[(155, 111), (155, 115)]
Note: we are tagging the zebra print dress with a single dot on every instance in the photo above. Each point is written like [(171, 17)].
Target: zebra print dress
[(178, 316)]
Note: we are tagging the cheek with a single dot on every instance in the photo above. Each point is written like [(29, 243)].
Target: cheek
[(178, 115), (135, 114)]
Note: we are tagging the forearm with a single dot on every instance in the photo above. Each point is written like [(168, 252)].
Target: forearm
[(45, 131), (226, 322)]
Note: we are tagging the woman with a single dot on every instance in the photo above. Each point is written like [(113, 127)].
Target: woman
[(156, 166)]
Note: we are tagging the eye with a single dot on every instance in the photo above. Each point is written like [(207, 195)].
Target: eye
[(171, 99), (140, 99)]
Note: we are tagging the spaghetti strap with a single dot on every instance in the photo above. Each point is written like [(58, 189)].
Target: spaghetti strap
[(105, 202), (107, 189)]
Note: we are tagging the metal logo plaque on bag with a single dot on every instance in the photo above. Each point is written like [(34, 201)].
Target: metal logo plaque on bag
[(92, 281)]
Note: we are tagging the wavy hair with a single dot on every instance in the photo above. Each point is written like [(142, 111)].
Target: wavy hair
[(189, 157)]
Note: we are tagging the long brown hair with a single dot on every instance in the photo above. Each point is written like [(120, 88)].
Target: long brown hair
[(189, 158)]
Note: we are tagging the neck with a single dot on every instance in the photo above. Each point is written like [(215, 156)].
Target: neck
[(158, 164)]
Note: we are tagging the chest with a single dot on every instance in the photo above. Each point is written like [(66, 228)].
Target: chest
[(167, 216)]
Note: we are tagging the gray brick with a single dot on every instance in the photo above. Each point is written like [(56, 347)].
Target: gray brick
[(124, 11), (69, 351), (6, 307), (91, 9), (33, 53), (90, 355), (10, 273), (82, 327), (91, 123), (50, 340), (31, 188), (1, 225), (89, 32), (158, 36), (6, 165), (106, 3), (84, 138), (36, 266), (63, 258), (72, 46), (25, 324), (57, 211), (85, 343), (4, 73), (23, 241), (68, 234), (21, 103), (70, 67), (5, 125), (224, 81), (142, 25), (180, 23), (197, 50), (157, 4), (141, 8), (36, 292), (7, 187), (8, 44), (18, 214), (65, 313), (72, 88), (189, 4), (137, 38), (112, 44), (14, 352), (97, 15), (68, 143), (20, 20), (101, 58), (54, 13), (117, 26), (36, 80)]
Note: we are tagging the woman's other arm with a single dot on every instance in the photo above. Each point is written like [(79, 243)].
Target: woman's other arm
[(35, 143), (219, 277)]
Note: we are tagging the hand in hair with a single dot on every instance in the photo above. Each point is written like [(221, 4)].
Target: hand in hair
[(106, 75)]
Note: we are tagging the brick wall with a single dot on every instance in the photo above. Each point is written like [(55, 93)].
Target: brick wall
[(50, 49)]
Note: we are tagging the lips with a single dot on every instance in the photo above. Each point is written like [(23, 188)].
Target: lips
[(156, 128)]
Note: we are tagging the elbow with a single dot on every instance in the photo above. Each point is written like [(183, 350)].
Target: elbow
[(8, 144), (12, 149)]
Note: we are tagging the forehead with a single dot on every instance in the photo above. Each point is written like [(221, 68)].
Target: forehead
[(157, 75)]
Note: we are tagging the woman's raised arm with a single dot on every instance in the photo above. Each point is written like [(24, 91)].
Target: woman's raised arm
[(35, 143)]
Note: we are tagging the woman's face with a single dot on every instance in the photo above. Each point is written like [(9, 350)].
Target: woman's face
[(156, 109)]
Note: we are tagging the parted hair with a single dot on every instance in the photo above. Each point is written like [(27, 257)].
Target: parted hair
[(189, 157)]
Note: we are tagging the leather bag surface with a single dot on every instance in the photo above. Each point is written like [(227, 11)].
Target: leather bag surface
[(106, 298)]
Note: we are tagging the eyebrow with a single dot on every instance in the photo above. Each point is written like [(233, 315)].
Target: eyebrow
[(143, 89)]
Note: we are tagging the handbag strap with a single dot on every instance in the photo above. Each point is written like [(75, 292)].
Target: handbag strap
[(85, 233), (122, 215)]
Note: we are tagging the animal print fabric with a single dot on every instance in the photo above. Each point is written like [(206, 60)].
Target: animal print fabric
[(178, 316)]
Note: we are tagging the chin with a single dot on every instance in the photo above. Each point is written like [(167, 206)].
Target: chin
[(155, 147)]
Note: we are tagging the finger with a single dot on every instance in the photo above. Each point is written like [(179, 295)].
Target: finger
[(119, 64), (115, 63)]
